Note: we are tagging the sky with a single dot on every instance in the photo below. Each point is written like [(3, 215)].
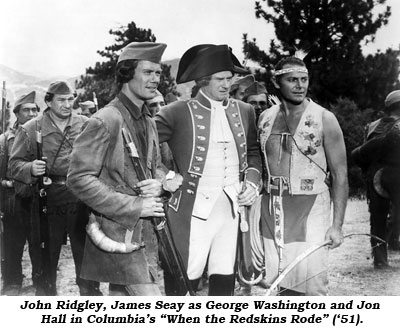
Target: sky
[(60, 38)]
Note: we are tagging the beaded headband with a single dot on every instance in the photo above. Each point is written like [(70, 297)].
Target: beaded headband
[(301, 69)]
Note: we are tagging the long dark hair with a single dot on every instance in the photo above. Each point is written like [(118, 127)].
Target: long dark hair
[(124, 72)]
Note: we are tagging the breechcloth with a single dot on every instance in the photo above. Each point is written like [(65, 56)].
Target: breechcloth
[(290, 225)]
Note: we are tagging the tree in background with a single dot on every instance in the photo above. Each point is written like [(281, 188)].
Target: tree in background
[(100, 78), (342, 78)]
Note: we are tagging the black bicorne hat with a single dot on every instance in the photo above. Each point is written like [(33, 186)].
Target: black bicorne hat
[(206, 59)]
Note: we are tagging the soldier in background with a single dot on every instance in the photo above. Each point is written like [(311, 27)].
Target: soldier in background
[(17, 201), (256, 95), (66, 214), (379, 158), (156, 103), (239, 85)]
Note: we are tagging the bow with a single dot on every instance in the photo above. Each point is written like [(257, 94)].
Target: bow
[(306, 253)]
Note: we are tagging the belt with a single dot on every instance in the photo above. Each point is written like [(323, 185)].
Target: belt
[(58, 179), (279, 185)]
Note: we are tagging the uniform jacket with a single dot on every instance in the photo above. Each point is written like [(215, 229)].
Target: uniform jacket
[(186, 127), (24, 152), (101, 175), (8, 200), (382, 148)]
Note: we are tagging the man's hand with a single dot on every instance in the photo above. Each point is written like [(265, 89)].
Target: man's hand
[(150, 188), (172, 181), (152, 207), (335, 234), (248, 196), (38, 167)]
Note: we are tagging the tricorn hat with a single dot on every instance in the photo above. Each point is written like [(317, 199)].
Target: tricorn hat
[(245, 81), (206, 59), (26, 98), (146, 51), (254, 89)]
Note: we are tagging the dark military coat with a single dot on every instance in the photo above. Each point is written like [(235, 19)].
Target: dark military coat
[(185, 125)]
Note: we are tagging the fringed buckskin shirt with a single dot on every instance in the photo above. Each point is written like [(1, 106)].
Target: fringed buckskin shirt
[(102, 175)]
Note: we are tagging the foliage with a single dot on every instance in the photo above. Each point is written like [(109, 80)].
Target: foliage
[(352, 121), (100, 78), (353, 85), (334, 31)]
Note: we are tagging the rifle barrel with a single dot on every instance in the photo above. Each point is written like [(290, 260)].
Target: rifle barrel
[(161, 225)]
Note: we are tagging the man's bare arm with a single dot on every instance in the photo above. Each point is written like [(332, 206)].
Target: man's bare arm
[(335, 151)]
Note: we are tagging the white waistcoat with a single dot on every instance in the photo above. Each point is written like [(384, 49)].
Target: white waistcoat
[(305, 177), (221, 169)]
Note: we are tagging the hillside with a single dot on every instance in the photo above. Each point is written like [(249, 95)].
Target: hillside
[(183, 89), (19, 83)]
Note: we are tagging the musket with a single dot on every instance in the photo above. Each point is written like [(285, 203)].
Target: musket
[(173, 258), (40, 227), (96, 104), (3, 176)]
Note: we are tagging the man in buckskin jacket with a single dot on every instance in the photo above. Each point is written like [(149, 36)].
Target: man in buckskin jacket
[(102, 175), (65, 213), (213, 141)]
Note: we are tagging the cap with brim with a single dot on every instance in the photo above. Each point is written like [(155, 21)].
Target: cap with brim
[(392, 98), (245, 81), (204, 60), (61, 87), (255, 89), (146, 51), (26, 98), (87, 104)]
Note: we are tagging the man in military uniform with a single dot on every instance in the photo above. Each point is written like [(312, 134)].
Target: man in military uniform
[(66, 214), (103, 176), (379, 158), (256, 95), (239, 84), (17, 205), (213, 141), (156, 103)]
